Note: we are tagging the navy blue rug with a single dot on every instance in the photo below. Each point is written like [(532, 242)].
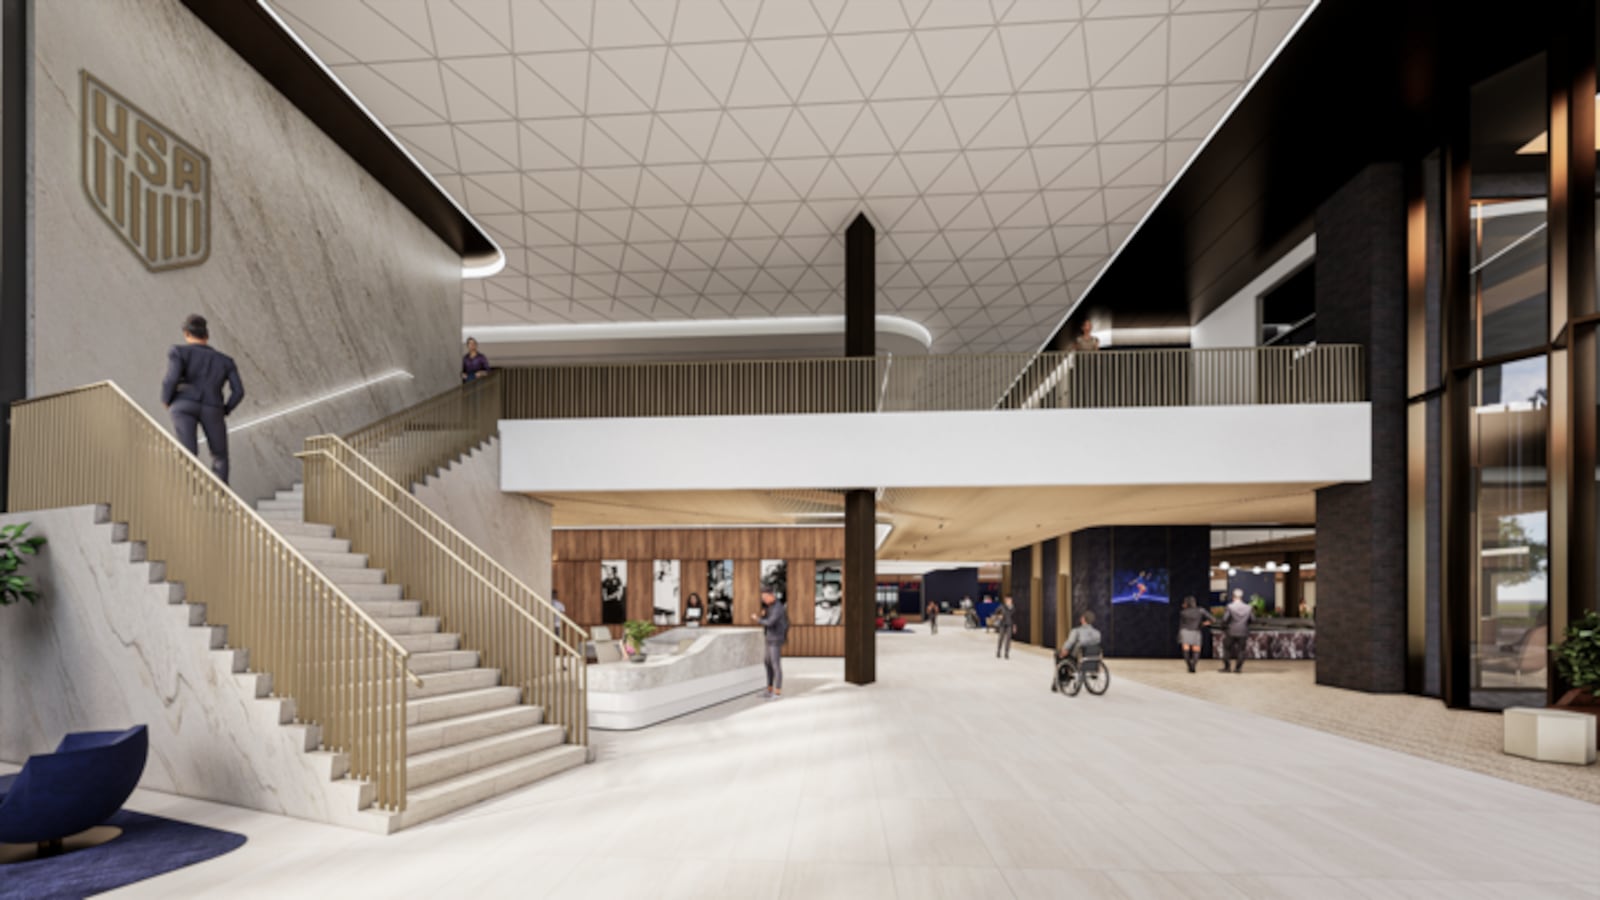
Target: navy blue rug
[(149, 846)]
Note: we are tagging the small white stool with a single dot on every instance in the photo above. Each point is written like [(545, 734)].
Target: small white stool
[(1550, 735)]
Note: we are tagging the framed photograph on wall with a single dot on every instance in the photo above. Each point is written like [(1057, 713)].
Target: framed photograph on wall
[(668, 580), (830, 592), (613, 591), (775, 578), (719, 592)]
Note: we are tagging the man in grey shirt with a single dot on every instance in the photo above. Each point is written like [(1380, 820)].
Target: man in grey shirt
[(774, 620), (1236, 631), (1006, 624), (1083, 640)]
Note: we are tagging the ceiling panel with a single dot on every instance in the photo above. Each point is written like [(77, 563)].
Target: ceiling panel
[(656, 159)]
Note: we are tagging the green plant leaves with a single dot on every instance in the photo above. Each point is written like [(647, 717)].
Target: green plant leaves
[(15, 588), (1578, 657)]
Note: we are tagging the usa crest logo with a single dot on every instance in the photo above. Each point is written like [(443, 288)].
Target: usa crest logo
[(150, 185)]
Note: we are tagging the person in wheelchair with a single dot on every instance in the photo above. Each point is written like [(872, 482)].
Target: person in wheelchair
[(1082, 641)]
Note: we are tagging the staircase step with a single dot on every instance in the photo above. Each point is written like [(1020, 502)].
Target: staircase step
[(343, 577), (325, 560), (434, 766), (461, 703), (461, 729), (362, 593), (409, 624), (300, 529), (298, 494), (440, 683), (294, 505), (428, 643), (425, 664), (452, 794), (282, 516), (390, 609), (318, 544)]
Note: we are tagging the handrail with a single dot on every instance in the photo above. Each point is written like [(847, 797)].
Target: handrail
[(412, 444), (93, 444), (387, 523), (425, 518), (1326, 373)]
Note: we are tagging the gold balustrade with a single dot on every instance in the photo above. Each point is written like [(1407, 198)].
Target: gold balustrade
[(94, 445), (513, 629), (1327, 373), (416, 442)]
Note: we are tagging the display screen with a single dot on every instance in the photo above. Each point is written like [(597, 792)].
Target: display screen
[(1140, 586)]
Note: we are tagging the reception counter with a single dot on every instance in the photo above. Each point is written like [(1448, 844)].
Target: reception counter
[(1272, 643), (686, 669)]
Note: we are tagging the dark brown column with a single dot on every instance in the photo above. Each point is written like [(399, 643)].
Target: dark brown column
[(1572, 452), (860, 587), (1293, 587), (860, 288), (860, 506), (15, 61)]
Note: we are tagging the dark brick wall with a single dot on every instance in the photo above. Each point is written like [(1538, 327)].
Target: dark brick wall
[(1361, 528), (1050, 569), (1021, 591), (1141, 630)]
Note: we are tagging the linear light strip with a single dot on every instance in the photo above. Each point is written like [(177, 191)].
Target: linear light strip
[(324, 398), (483, 271)]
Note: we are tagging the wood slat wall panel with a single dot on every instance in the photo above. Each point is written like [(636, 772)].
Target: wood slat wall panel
[(741, 543), (641, 588), (578, 583), (746, 589), (630, 544), (815, 640), (694, 578), (802, 592)]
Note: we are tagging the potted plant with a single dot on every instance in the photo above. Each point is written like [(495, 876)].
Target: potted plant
[(634, 632), (14, 547), (1578, 661)]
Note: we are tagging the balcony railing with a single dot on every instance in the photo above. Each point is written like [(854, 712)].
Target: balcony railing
[(93, 445), (415, 442), (1328, 373)]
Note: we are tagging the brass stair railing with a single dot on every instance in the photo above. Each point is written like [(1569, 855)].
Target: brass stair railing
[(416, 442), (513, 629), (94, 445)]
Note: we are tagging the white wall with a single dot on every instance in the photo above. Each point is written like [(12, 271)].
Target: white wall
[(105, 648), (318, 278), (512, 528), (1188, 445), (1237, 322)]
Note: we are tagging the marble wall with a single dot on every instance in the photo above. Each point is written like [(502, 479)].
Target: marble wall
[(107, 648), (318, 278), (514, 529)]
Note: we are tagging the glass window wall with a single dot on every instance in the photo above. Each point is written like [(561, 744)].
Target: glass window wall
[(1511, 528)]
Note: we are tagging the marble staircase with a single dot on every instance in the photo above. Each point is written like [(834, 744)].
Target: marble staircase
[(469, 737)]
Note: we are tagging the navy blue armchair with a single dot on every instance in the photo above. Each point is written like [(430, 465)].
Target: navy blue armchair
[(77, 787)]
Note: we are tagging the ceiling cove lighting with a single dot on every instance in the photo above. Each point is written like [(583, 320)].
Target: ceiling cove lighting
[(321, 398), (691, 328), (476, 269)]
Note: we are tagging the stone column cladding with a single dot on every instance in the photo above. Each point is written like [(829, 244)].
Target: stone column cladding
[(1021, 592), (1049, 569), (1101, 555), (1361, 528)]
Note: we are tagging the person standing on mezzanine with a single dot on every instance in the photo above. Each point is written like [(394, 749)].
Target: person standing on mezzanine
[(192, 393)]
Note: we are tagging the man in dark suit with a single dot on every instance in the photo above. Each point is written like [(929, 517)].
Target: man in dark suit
[(192, 393)]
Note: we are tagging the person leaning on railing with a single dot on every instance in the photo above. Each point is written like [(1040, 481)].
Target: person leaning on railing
[(474, 365)]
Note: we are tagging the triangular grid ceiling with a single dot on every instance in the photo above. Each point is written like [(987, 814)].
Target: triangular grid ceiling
[(670, 159)]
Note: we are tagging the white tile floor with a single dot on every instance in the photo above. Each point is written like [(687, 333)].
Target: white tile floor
[(957, 775)]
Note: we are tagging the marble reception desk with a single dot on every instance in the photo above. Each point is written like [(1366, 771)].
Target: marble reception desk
[(687, 669)]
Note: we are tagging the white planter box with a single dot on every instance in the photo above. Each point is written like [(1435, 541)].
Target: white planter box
[(1550, 735)]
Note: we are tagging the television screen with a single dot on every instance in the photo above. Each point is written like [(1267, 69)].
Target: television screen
[(1140, 586)]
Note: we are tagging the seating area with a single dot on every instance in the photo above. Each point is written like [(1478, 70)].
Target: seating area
[(82, 784)]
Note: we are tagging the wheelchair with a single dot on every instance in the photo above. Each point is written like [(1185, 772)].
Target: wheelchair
[(1073, 675)]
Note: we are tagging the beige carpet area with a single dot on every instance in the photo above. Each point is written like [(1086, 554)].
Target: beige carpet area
[(1421, 726)]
